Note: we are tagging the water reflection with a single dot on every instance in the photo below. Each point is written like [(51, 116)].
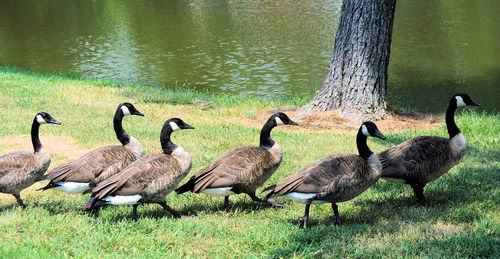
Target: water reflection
[(265, 48)]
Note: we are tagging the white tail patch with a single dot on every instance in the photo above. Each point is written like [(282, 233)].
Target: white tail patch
[(365, 131), (279, 122), (125, 111), (72, 187), (222, 191), (122, 200), (40, 119), (302, 197), (460, 101), (174, 126)]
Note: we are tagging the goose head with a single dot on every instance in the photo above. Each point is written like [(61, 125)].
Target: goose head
[(280, 118), (128, 109), (176, 124), (46, 118), (369, 129), (463, 100)]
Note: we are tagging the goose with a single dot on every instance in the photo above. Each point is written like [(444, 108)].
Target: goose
[(335, 178), (92, 168), (423, 159), (149, 179), (241, 170), (20, 169)]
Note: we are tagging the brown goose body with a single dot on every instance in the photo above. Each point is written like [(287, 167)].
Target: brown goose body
[(243, 170), (152, 177), (335, 178), (99, 164), (21, 169), (422, 159)]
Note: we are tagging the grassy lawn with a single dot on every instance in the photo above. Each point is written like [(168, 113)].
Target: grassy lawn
[(461, 220)]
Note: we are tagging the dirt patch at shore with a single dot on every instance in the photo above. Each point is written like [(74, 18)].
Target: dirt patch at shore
[(332, 121), (58, 146)]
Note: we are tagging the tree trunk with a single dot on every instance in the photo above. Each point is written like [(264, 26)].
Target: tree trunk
[(357, 77)]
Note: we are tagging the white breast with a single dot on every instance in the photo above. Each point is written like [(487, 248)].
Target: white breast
[(135, 146), (222, 191), (72, 187), (183, 157), (458, 143), (375, 164), (302, 197), (122, 200)]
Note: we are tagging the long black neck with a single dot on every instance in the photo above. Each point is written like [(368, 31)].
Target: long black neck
[(122, 136), (450, 119), (363, 149), (265, 134), (167, 145), (35, 138)]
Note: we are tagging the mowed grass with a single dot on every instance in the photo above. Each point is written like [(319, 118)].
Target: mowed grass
[(462, 218)]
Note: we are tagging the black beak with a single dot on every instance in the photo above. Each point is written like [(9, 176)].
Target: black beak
[(187, 126), (474, 103), (292, 123), (379, 135), (138, 113), (54, 121)]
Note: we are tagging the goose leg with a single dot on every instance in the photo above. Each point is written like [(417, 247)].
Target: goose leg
[(167, 208), (268, 201), (134, 211), (303, 219), (418, 189), (226, 203), (337, 215), (18, 198)]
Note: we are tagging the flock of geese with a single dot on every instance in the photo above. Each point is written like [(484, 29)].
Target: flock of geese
[(120, 175)]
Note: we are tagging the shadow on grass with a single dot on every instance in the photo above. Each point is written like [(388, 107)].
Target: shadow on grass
[(240, 205)]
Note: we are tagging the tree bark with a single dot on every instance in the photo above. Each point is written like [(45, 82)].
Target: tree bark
[(356, 80)]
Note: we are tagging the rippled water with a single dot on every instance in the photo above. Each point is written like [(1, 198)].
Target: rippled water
[(265, 48)]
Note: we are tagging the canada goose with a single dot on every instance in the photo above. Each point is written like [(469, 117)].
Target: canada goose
[(423, 159), (241, 170), (20, 169), (335, 178), (99, 164), (148, 179)]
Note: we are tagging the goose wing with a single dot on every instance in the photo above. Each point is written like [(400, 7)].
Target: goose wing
[(239, 165), (104, 162), (414, 157), (320, 176), (146, 176), (15, 167)]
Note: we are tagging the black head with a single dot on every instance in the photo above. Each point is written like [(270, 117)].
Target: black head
[(369, 129), (128, 109), (463, 100), (45, 118), (280, 118), (176, 124)]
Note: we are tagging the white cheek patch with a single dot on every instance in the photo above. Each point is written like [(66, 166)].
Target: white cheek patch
[(279, 122), (174, 126), (364, 130), (40, 119), (460, 101), (125, 111)]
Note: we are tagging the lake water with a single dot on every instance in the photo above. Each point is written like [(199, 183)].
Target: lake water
[(259, 47)]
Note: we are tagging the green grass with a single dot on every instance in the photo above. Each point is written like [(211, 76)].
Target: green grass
[(461, 220)]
